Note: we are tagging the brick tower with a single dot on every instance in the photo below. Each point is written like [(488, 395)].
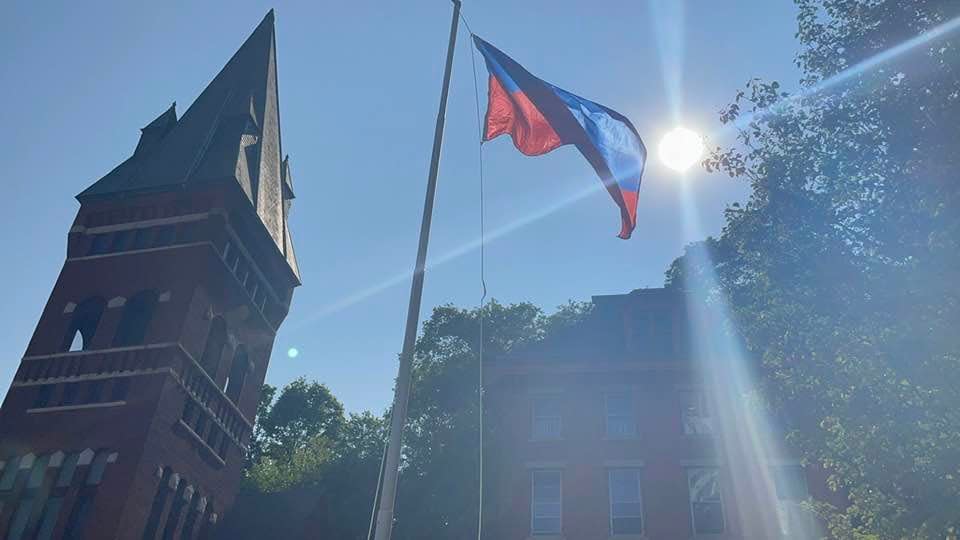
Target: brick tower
[(130, 413)]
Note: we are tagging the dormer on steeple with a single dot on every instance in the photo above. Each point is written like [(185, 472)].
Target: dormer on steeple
[(154, 132)]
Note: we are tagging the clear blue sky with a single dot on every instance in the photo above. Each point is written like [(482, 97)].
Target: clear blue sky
[(359, 84)]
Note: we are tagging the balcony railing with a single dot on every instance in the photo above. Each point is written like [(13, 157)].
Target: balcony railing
[(70, 367)]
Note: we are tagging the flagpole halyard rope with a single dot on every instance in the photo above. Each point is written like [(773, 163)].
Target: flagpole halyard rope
[(483, 283)]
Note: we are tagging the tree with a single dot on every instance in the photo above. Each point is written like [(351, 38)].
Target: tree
[(840, 267), (439, 484), (312, 469), (315, 469)]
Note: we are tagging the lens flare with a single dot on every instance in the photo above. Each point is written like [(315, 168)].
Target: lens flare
[(681, 149), (293, 352)]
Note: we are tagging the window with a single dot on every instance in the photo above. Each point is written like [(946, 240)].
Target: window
[(70, 394), (176, 509), (80, 514), (192, 517), (206, 525), (120, 240), (695, 414), (222, 447), (38, 472), (99, 244), (49, 520), (238, 372), (9, 474), (547, 420), (626, 506), (97, 468), (164, 236), (20, 518), (83, 325), (93, 391), (621, 423), (118, 392), (187, 232), (706, 504), (67, 469), (42, 398), (189, 409), (142, 238), (213, 437), (137, 315), (791, 487), (547, 502), (661, 344), (200, 426), (216, 340), (158, 506)]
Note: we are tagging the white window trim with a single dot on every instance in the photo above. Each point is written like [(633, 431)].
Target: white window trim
[(706, 407), (643, 514), (635, 431), (534, 396), (533, 531), (723, 504)]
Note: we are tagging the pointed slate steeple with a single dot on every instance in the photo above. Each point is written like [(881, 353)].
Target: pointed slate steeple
[(231, 131)]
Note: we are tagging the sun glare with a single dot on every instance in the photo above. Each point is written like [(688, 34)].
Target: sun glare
[(681, 149)]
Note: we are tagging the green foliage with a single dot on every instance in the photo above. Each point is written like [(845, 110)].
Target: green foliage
[(309, 469), (439, 484), (840, 268), (302, 412), (304, 464), (315, 470)]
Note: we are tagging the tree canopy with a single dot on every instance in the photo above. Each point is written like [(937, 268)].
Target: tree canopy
[(313, 468), (841, 266)]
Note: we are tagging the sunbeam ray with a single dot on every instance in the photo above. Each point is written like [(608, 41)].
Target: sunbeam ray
[(749, 440), (459, 251), (849, 73), (669, 18)]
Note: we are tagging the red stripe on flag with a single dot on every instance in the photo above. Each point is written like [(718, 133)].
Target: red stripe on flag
[(515, 114), (628, 215)]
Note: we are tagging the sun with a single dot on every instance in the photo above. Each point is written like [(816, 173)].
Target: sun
[(681, 148)]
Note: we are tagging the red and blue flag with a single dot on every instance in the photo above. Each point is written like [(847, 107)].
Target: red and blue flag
[(540, 117)]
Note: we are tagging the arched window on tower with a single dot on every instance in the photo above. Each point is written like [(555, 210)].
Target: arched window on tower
[(238, 373), (136, 318), (83, 325), (213, 350), (159, 505)]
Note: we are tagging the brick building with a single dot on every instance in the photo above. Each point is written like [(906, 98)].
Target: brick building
[(611, 430), (132, 407)]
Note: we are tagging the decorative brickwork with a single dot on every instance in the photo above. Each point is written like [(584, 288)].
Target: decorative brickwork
[(130, 413)]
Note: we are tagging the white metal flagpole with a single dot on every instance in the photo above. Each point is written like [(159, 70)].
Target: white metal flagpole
[(398, 416)]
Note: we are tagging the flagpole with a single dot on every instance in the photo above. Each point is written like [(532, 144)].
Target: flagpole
[(398, 416)]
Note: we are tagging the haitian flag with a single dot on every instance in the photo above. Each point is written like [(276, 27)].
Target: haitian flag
[(540, 117)]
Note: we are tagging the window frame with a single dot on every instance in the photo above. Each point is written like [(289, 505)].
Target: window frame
[(638, 471), (533, 503), (720, 501), (139, 314), (706, 417), (536, 435), (631, 415), (792, 519)]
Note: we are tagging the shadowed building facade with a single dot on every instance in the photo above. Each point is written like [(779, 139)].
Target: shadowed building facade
[(612, 429), (132, 408)]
